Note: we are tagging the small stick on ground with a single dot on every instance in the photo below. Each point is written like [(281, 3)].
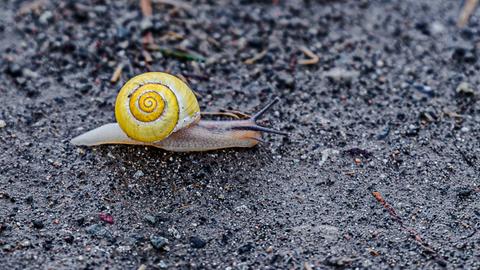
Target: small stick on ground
[(313, 57), (146, 7), (171, 36), (214, 42), (117, 73), (256, 57), (147, 11), (414, 234), (147, 56), (29, 7), (466, 12), (238, 113), (453, 115)]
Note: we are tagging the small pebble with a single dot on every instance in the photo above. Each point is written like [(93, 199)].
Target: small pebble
[(464, 192), (174, 232), (424, 89), (150, 219), (2, 124), (464, 55), (146, 25), (14, 70), (122, 32), (30, 73), (437, 28), (162, 265), (138, 174), (83, 87), (99, 231), (45, 17), (465, 88), (158, 242), (197, 242), (412, 130), (340, 74), (123, 44), (38, 224), (245, 248), (285, 79), (69, 239), (25, 243), (106, 217), (384, 133), (7, 247)]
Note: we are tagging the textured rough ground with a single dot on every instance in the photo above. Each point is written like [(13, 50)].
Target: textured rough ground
[(396, 126)]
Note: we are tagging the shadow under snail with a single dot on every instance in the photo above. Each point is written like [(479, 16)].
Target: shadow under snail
[(158, 109)]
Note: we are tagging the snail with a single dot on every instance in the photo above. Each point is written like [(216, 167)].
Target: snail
[(158, 109)]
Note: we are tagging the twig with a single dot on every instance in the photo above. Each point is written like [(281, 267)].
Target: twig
[(171, 35), (146, 7), (227, 114), (256, 57), (313, 57), (146, 55), (238, 113), (117, 73), (214, 42), (466, 12), (29, 7), (147, 11), (414, 234), (453, 114)]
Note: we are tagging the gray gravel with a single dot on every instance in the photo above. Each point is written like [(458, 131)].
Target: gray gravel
[(391, 109)]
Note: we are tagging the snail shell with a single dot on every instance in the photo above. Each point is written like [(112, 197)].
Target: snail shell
[(153, 105)]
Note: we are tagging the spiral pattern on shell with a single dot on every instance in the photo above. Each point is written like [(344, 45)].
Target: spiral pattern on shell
[(152, 105)]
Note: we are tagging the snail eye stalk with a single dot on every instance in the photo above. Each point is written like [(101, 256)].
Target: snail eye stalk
[(256, 127)]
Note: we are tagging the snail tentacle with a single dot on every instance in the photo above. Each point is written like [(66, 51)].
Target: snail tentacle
[(254, 126)]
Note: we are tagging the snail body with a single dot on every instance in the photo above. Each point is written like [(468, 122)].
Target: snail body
[(158, 109)]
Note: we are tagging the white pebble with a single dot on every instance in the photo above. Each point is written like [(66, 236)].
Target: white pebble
[(138, 174)]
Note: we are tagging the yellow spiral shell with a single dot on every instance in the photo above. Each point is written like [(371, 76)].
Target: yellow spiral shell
[(152, 105)]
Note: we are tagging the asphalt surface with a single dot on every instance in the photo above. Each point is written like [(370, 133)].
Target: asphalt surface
[(381, 169)]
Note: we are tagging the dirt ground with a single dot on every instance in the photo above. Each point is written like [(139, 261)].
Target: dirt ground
[(381, 169)]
